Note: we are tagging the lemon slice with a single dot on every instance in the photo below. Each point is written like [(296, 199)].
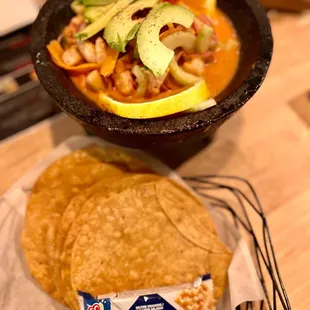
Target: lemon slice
[(157, 108)]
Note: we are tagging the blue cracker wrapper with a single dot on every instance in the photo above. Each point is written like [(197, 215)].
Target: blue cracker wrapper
[(197, 295)]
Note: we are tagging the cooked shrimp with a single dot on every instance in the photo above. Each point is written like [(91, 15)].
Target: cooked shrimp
[(72, 57), (67, 38), (88, 51), (77, 23), (101, 50), (155, 83), (195, 66), (124, 82), (66, 41), (119, 67), (95, 81), (67, 32)]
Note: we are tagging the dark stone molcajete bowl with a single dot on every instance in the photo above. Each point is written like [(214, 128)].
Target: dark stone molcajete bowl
[(254, 31)]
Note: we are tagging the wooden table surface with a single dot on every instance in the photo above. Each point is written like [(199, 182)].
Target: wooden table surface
[(267, 142)]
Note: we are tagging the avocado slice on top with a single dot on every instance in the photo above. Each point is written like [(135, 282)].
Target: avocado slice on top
[(122, 28), (153, 53), (102, 20)]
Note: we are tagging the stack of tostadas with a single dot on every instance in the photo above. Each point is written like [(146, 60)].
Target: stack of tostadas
[(101, 221)]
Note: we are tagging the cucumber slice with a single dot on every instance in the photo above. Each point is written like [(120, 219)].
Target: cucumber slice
[(203, 39), (181, 76), (141, 80), (183, 39)]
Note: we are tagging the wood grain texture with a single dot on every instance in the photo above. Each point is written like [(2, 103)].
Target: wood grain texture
[(266, 142)]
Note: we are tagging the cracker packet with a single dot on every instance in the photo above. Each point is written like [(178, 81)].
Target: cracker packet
[(196, 295)]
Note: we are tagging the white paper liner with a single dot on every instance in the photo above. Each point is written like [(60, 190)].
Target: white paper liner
[(19, 291)]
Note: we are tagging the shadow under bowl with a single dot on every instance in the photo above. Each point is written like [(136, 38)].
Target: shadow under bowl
[(253, 28)]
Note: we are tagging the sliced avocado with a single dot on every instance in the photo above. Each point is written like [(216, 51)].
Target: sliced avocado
[(102, 20), (183, 39), (203, 39), (154, 54), (121, 29), (181, 76), (157, 7), (77, 7), (97, 2), (94, 12)]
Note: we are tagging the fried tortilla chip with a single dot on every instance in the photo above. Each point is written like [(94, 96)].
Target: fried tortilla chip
[(147, 237), (44, 212), (64, 169), (194, 222), (52, 193), (79, 215)]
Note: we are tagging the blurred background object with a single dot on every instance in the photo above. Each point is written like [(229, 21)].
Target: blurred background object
[(15, 14), (289, 5), (39, 2), (23, 102)]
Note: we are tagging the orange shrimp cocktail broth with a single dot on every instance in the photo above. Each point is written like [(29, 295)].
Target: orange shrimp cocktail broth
[(148, 58)]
